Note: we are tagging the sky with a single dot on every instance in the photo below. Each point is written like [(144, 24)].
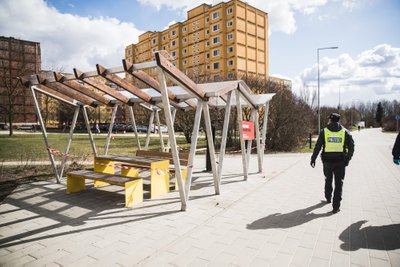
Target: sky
[(365, 67)]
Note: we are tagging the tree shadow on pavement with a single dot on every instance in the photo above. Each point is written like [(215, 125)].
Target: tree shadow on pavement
[(287, 220), (385, 237)]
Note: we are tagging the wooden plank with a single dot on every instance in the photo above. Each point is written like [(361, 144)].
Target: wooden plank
[(82, 89), (109, 178), (102, 87), (124, 84), (72, 94), (179, 76), (183, 157), (54, 92)]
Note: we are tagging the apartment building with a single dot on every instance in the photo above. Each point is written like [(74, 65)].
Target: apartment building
[(17, 58), (226, 40)]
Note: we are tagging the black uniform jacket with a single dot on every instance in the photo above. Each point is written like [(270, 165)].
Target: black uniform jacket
[(396, 148), (334, 156)]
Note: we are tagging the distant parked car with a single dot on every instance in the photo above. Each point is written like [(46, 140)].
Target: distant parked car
[(141, 128), (154, 128)]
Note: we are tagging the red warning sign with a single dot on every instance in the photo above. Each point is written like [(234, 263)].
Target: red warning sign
[(248, 130)]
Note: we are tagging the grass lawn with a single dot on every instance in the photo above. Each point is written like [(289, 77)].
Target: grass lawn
[(31, 147)]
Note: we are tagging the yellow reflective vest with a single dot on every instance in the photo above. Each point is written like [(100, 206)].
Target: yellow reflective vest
[(334, 141)]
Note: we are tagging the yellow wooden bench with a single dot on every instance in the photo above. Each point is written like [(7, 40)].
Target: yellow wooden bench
[(183, 160), (133, 186), (159, 170)]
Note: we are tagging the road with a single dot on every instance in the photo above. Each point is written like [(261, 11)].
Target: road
[(274, 221)]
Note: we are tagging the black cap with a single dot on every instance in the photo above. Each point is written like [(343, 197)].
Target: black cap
[(334, 117)]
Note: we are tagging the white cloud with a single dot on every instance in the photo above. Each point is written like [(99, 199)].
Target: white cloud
[(374, 73), (67, 40), (281, 13)]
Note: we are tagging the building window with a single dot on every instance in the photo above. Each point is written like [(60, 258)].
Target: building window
[(184, 62), (208, 55), (215, 27), (230, 49), (207, 44), (215, 15), (163, 48), (216, 65), (174, 53), (184, 51), (229, 11), (207, 67), (215, 52), (129, 52), (229, 23), (154, 41), (173, 32), (216, 40), (216, 78), (231, 75), (163, 38), (174, 42), (230, 36), (174, 63), (230, 62), (154, 50), (207, 20), (207, 32), (184, 29), (184, 40)]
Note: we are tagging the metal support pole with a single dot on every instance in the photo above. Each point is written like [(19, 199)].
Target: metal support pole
[(146, 146), (160, 132), (114, 113), (71, 133), (86, 118), (258, 139), (207, 120), (224, 133), (250, 142), (168, 148), (133, 122), (242, 143), (264, 135), (193, 146), (44, 133), (171, 135)]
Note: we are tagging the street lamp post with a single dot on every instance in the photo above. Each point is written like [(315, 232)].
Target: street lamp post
[(319, 114)]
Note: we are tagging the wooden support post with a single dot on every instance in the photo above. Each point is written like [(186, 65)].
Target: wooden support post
[(171, 135), (193, 146), (242, 143), (44, 133), (114, 113), (92, 143), (224, 133), (207, 120), (133, 122), (146, 146)]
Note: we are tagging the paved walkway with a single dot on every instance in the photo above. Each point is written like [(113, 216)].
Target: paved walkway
[(274, 221)]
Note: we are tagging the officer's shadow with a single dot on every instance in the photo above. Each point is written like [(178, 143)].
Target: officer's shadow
[(385, 237), (287, 220)]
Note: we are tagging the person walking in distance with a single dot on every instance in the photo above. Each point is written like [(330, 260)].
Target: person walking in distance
[(396, 150), (337, 146)]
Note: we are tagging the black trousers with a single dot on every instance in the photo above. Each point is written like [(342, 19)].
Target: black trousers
[(334, 170)]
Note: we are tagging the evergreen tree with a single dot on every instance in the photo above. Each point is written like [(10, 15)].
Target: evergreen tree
[(379, 114)]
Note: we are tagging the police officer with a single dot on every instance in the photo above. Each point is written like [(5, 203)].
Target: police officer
[(337, 149)]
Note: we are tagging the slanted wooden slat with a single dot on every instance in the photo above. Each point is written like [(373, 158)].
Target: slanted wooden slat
[(179, 76), (102, 87), (124, 84), (73, 94), (109, 178), (54, 92), (82, 89)]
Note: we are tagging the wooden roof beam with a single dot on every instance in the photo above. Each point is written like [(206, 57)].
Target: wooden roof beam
[(124, 84), (179, 76), (63, 89), (102, 87), (54, 94), (82, 89)]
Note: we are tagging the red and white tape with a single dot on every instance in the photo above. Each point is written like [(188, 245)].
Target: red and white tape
[(57, 152)]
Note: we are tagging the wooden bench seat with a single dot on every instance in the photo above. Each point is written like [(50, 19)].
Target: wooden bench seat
[(133, 185)]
